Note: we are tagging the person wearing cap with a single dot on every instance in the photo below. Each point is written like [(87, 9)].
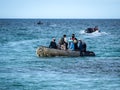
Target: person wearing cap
[(53, 44)]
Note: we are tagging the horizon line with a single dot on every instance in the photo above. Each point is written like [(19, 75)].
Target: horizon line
[(58, 18)]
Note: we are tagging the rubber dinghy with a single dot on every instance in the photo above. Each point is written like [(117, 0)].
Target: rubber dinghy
[(91, 30), (43, 51)]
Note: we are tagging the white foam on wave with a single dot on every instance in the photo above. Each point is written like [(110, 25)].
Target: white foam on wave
[(26, 42), (53, 25), (25, 45), (82, 32)]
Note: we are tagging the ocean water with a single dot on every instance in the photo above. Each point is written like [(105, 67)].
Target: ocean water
[(21, 69)]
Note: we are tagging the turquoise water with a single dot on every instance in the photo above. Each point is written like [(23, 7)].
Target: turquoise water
[(21, 69)]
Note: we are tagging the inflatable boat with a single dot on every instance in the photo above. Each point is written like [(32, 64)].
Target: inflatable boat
[(43, 51)]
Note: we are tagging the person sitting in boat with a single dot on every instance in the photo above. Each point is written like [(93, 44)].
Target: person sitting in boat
[(63, 43), (53, 44), (82, 47), (95, 28)]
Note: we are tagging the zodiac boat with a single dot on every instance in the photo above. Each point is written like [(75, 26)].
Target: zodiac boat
[(43, 51)]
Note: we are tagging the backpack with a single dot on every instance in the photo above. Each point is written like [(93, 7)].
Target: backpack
[(61, 41)]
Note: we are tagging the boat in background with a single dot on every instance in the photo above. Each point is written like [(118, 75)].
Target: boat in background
[(39, 23), (91, 30)]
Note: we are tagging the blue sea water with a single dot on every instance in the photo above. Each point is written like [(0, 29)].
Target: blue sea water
[(21, 69)]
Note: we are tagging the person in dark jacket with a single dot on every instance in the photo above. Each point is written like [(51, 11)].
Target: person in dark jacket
[(82, 47), (53, 44)]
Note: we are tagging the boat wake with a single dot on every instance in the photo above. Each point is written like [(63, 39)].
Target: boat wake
[(94, 34), (25, 45), (53, 25)]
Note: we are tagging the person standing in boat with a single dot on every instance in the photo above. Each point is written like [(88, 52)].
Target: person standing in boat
[(82, 47), (53, 44), (69, 42), (73, 36), (75, 41), (71, 45), (63, 42)]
